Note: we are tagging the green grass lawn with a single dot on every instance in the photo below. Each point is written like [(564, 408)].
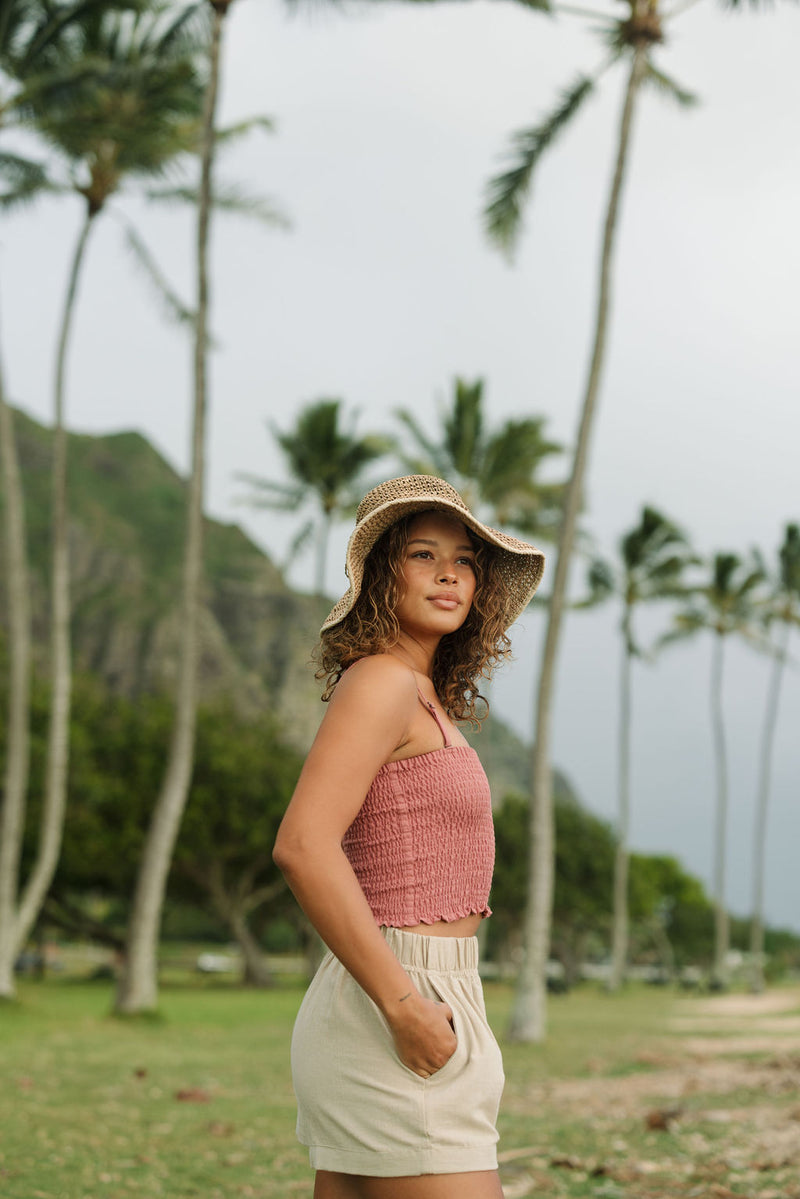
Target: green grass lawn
[(90, 1106)]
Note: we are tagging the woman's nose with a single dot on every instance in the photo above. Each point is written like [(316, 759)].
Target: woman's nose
[(448, 576)]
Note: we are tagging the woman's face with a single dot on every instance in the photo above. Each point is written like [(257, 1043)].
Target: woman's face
[(438, 573)]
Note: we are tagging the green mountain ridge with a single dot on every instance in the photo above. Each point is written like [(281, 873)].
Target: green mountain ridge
[(125, 531)]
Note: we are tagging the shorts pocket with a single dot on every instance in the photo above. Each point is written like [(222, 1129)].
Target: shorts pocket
[(451, 1061), (438, 997)]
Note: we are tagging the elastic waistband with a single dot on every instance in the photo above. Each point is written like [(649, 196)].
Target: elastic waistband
[(442, 954)]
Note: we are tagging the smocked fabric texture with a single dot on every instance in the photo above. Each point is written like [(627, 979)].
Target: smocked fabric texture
[(422, 844), (520, 564), (361, 1110)]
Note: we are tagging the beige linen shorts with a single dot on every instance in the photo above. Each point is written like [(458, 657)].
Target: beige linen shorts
[(360, 1109)]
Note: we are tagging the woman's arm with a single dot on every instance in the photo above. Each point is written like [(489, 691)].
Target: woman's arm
[(366, 720)]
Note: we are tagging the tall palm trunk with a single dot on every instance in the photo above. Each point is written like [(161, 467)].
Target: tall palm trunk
[(529, 1015), (138, 984), (619, 940), (15, 781), (762, 806), (18, 923), (721, 933), (323, 538), (55, 796)]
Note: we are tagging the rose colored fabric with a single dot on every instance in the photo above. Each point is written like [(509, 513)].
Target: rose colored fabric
[(422, 844)]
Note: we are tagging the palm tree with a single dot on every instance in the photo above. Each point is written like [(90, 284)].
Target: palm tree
[(494, 472), (132, 109), (15, 781), (29, 30), (327, 463), (783, 608), (730, 603), (137, 990), (654, 556), (631, 38)]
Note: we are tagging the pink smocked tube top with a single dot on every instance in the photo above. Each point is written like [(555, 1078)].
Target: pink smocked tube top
[(422, 844)]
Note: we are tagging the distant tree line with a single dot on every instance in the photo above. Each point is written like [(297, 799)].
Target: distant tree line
[(222, 868)]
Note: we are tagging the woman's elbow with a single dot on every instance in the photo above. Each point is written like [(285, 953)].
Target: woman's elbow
[(291, 852), (282, 852)]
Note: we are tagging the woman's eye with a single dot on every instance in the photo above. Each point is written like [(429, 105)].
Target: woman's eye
[(467, 561)]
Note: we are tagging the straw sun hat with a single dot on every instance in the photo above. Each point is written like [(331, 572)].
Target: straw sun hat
[(521, 565)]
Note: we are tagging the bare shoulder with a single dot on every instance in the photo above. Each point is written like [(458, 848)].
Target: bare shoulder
[(378, 673), (369, 711)]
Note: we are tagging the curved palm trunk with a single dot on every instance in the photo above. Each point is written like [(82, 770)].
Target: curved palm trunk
[(138, 984), (619, 940), (234, 906), (15, 781), (529, 1015), (55, 797), (256, 971), (719, 972), (760, 830)]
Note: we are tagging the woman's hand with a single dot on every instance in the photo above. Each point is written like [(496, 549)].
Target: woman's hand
[(423, 1033)]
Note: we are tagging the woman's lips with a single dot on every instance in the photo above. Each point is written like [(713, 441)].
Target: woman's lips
[(448, 602)]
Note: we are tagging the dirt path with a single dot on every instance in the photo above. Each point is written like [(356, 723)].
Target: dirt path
[(743, 1006), (718, 1148)]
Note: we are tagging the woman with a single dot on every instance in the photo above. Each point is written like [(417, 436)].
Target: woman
[(388, 846)]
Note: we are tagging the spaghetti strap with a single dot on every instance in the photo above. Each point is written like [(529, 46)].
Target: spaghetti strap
[(427, 703)]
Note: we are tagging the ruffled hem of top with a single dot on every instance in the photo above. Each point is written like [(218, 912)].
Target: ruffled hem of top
[(390, 920)]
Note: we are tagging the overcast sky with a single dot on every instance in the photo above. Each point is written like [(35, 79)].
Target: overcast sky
[(389, 121)]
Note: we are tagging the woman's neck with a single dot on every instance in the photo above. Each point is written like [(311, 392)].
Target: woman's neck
[(418, 655)]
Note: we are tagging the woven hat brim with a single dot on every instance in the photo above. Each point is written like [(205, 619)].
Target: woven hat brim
[(521, 565)]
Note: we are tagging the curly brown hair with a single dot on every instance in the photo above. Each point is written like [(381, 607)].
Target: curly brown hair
[(462, 658)]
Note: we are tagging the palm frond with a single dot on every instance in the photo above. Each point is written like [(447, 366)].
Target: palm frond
[(602, 585), (324, 455), (508, 190), (435, 461), (669, 87), (538, 5), (54, 21), (298, 543), (510, 464), (174, 307), (187, 33), (278, 497), (611, 34), (789, 556), (681, 632), (236, 201), (757, 640), (752, 580), (233, 200), (25, 179), (741, 5), (414, 465), (232, 133), (463, 428), (51, 88)]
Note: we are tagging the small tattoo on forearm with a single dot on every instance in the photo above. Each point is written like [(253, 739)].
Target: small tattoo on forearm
[(402, 997)]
